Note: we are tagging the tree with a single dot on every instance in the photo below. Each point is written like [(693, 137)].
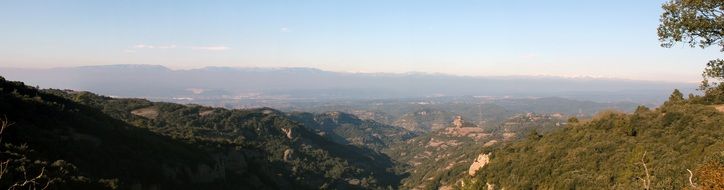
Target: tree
[(645, 182), (643, 109), (696, 23), (676, 96), (573, 120), (534, 135), (10, 169)]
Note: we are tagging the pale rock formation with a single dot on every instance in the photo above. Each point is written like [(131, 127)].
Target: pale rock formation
[(354, 181), (288, 131), (490, 186), (719, 107), (148, 112), (490, 143), (206, 113), (479, 163), (507, 136), (458, 121), (288, 155)]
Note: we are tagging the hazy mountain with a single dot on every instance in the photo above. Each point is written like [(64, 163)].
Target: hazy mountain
[(429, 114), (155, 81)]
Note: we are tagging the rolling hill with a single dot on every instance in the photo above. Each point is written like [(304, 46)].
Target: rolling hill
[(128, 143)]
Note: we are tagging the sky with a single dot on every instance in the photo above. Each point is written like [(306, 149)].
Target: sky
[(596, 38)]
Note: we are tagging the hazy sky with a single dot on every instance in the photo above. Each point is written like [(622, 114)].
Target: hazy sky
[(606, 38)]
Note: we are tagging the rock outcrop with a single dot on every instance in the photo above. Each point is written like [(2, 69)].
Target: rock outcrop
[(288, 132), (458, 121), (719, 107), (490, 186), (148, 112), (479, 163), (288, 155)]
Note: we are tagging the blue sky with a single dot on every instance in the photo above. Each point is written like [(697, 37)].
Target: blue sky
[(563, 38)]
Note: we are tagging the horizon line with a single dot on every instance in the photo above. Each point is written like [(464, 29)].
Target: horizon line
[(586, 77)]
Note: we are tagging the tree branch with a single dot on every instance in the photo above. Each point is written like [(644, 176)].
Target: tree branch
[(691, 175), (646, 182)]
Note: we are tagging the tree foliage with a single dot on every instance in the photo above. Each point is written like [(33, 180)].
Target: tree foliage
[(607, 152), (698, 23), (79, 140), (694, 22)]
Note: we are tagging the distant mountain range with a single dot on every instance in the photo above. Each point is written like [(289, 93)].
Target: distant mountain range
[(158, 82)]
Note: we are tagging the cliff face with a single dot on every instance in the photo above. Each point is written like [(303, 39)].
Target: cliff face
[(288, 133), (479, 163), (458, 121)]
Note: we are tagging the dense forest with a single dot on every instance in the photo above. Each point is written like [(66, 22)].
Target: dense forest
[(345, 128), (62, 139), (67, 139), (648, 149)]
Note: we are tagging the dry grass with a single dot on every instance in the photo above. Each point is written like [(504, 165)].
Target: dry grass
[(719, 107), (148, 112), (205, 113)]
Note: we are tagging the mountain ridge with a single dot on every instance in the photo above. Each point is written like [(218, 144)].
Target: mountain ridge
[(153, 81), (318, 70), (178, 146)]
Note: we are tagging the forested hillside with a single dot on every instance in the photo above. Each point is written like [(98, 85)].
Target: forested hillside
[(79, 139), (345, 128), (69, 139), (648, 149), (52, 141), (439, 158), (381, 95)]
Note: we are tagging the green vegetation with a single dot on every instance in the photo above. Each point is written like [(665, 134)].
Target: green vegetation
[(62, 139), (696, 23), (434, 159), (345, 128), (413, 116), (440, 158), (79, 139), (62, 144), (71, 140), (610, 151)]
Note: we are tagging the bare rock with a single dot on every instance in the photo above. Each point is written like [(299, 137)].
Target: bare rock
[(288, 155), (288, 131), (719, 107), (206, 113), (354, 181), (458, 121), (490, 143), (480, 162), (490, 186), (148, 112)]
